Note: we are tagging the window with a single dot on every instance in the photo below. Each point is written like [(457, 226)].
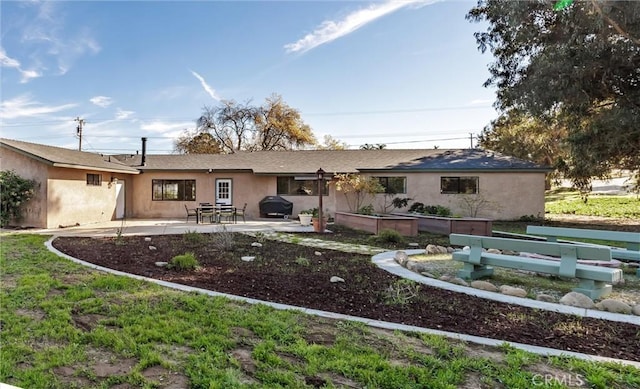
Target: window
[(174, 190), (294, 186), (94, 179), (466, 185), (394, 185)]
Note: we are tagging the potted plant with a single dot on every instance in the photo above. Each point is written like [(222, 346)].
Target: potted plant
[(305, 216)]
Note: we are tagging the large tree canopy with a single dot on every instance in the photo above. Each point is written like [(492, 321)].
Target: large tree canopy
[(578, 66), (231, 127)]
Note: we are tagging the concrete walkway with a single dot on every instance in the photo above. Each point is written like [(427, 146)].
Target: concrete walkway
[(277, 229)]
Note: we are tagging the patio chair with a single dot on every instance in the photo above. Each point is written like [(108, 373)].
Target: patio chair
[(241, 212), (207, 211), (227, 213), (191, 212)]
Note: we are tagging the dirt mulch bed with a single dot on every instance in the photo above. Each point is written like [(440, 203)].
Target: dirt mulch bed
[(296, 275)]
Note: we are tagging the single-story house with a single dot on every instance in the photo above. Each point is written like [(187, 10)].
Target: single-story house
[(77, 187)]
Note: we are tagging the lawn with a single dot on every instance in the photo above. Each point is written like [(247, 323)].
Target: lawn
[(569, 202), (66, 326)]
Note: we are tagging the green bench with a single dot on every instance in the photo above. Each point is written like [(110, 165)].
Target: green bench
[(594, 281), (630, 240)]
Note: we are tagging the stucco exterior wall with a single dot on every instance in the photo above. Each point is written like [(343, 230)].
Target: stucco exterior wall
[(245, 188), (509, 195), (71, 201), (35, 211)]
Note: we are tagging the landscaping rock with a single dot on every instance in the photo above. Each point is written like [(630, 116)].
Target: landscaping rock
[(248, 258), (494, 251), (318, 253), (636, 310), (484, 285), (450, 250), (615, 306), (459, 281), (446, 278), (417, 267), (576, 299), (152, 248), (414, 244), (512, 291), (401, 257), (147, 239), (335, 279), (256, 244), (431, 249), (546, 298), (162, 264), (427, 274)]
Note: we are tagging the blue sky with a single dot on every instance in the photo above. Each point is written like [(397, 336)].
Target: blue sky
[(404, 73)]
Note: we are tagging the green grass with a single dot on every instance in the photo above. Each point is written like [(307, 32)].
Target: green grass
[(61, 322), (570, 202)]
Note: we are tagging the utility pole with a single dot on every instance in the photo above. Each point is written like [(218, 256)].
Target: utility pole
[(79, 131), (471, 139)]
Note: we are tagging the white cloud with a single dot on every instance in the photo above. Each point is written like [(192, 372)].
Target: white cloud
[(22, 106), (331, 30), (122, 114), (164, 127), (6, 61), (101, 101), (207, 88), (49, 37)]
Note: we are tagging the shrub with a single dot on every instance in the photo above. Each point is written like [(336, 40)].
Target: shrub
[(417, 207), (400, 292), (442, 211), (223, 240), (192, 237), (387, 236), (186, 261), (14, 192), (366, 210)]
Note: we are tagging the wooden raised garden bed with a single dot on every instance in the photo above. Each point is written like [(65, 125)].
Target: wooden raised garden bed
[(407, 226), (451, 225)]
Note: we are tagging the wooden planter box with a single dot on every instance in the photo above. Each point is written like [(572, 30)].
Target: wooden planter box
[(407, 226), (452, 225)]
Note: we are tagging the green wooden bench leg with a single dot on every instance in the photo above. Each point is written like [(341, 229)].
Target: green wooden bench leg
[(593, 289), (473, 272)]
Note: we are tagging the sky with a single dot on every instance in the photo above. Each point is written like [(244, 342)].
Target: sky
[(406, 74)]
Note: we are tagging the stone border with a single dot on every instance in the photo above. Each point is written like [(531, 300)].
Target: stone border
[(545, 351), (387, 262)]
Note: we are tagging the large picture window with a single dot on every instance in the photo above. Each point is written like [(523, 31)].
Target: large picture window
[(174, 190), (459, 185), (294, 186), (94, 179), (393, 185)]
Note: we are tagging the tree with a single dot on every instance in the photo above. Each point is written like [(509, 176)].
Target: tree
[(197, 143), (279, 127), (15, 191), (330, 143), (578, 66), (231, 127), (523, 136), (357, 189)]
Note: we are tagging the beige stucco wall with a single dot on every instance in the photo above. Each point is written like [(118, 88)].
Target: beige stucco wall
[(35, 211), (509, 195), (63, 196), (246, 188)]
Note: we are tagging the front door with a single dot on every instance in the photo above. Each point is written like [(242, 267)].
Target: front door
[(223, 191)]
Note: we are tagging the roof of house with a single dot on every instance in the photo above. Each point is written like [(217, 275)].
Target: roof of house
[(337, 161), (303, 162), (73, 159)]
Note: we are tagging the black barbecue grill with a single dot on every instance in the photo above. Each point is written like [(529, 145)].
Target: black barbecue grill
[(275, 206)]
